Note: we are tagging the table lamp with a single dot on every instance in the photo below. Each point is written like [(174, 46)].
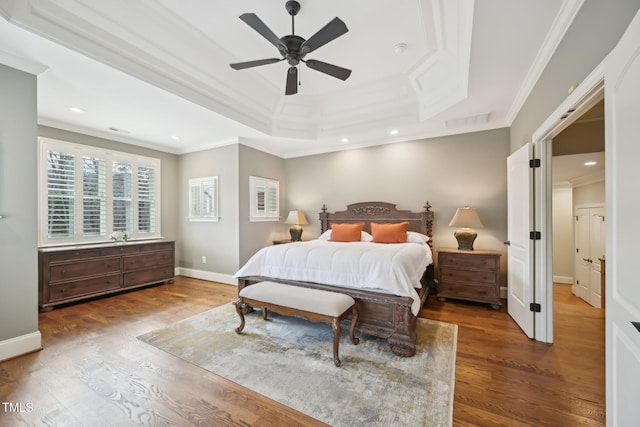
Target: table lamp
[(296, 218), (467, 218)]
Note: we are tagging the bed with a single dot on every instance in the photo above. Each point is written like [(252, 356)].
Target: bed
[(388, 313)]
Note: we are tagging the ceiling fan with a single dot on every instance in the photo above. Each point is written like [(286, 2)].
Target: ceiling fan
[(294, 48)]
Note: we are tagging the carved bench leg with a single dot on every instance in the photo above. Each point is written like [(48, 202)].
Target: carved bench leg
[(336, 340), (240, 310), (352, 329)]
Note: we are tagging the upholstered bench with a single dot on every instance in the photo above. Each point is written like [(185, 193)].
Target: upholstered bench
[(312, 304)]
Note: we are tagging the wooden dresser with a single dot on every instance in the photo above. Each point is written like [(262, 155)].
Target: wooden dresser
[(74, 273), (469, 275)]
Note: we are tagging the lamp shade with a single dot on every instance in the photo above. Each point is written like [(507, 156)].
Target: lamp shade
[(466, 218), (296, 217)]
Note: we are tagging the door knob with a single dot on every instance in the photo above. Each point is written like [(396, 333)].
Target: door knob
[(508, 243)]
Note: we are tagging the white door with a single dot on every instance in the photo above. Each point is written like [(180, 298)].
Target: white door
[(581, 286), (622, 133), (520, 249), (596, 251), (589, 248)]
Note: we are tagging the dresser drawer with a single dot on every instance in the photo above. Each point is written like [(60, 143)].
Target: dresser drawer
[(81, 269), (143, 277), (79, 254), (77, 288), (146, 261)]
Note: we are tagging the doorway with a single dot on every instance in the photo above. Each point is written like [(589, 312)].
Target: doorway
[(578, 185)]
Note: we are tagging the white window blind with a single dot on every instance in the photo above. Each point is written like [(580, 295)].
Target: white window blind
[(61, 195), (203, 199), (92, 192), (147, 194), (264, 199), (94, 196)]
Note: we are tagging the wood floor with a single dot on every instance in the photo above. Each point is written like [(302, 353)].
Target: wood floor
[(93, 371)]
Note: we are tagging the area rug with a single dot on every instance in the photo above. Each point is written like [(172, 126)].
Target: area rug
[(290, 360)]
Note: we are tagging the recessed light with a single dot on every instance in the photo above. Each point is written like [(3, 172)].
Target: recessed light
[(75, 109), (344, 140), (175, 137), (590, 163), (393, 132)]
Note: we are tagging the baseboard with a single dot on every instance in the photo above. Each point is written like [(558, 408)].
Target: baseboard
[(207, 275), (563, 279), (14, 347)]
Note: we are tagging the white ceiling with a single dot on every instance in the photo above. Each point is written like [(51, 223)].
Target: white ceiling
[(147, 70), (572, 170)]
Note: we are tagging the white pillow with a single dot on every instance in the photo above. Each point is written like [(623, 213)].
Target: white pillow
[(413, 237), (364, 236)]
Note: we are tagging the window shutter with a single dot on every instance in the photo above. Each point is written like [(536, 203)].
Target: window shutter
[(61, 192), (122, 191), (147, 196), (94, 196)]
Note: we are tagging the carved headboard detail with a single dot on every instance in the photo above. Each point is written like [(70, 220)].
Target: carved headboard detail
[(379, 212)]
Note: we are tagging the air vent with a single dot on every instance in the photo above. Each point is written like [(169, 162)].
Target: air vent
[(112, 129)]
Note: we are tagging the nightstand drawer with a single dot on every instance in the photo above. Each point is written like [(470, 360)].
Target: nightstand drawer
[(471, 276), (475, 293), (480, 262)]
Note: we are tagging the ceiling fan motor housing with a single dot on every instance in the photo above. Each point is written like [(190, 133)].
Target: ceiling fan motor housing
[(292, 53)]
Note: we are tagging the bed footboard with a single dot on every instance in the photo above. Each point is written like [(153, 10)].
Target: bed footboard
[(381, 315)]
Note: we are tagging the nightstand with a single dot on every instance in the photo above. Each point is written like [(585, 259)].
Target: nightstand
[(280, 242), (469, 275)]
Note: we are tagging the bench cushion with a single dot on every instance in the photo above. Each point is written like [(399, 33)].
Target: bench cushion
[(326, 303)]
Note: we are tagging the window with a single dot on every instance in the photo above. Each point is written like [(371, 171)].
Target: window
[(264, 199), (203, 199), (86, 193)]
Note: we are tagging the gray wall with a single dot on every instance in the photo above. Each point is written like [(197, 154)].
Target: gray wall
[(449, 172), (594, 32), (217, 241), (255, 235), (18, 204)]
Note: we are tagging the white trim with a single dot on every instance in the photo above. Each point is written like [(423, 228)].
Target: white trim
[(20, 345), (559, 27), (587, 94), (563, 279), (207, 275)]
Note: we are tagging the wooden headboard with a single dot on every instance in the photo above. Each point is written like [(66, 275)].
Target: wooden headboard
[(379, 212)]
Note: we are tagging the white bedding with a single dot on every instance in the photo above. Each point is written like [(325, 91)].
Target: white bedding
[(391, 268)]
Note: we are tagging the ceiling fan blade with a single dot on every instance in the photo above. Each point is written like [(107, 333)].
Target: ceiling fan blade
[(292, 81), (330, 69), (256, 23), (249, 64), (329, 32)]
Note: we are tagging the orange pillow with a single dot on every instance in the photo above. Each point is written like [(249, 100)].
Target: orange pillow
[(346, 232), (389, 233)]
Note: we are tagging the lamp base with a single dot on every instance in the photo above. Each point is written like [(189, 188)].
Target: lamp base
[(465, 238), (296, 233)]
